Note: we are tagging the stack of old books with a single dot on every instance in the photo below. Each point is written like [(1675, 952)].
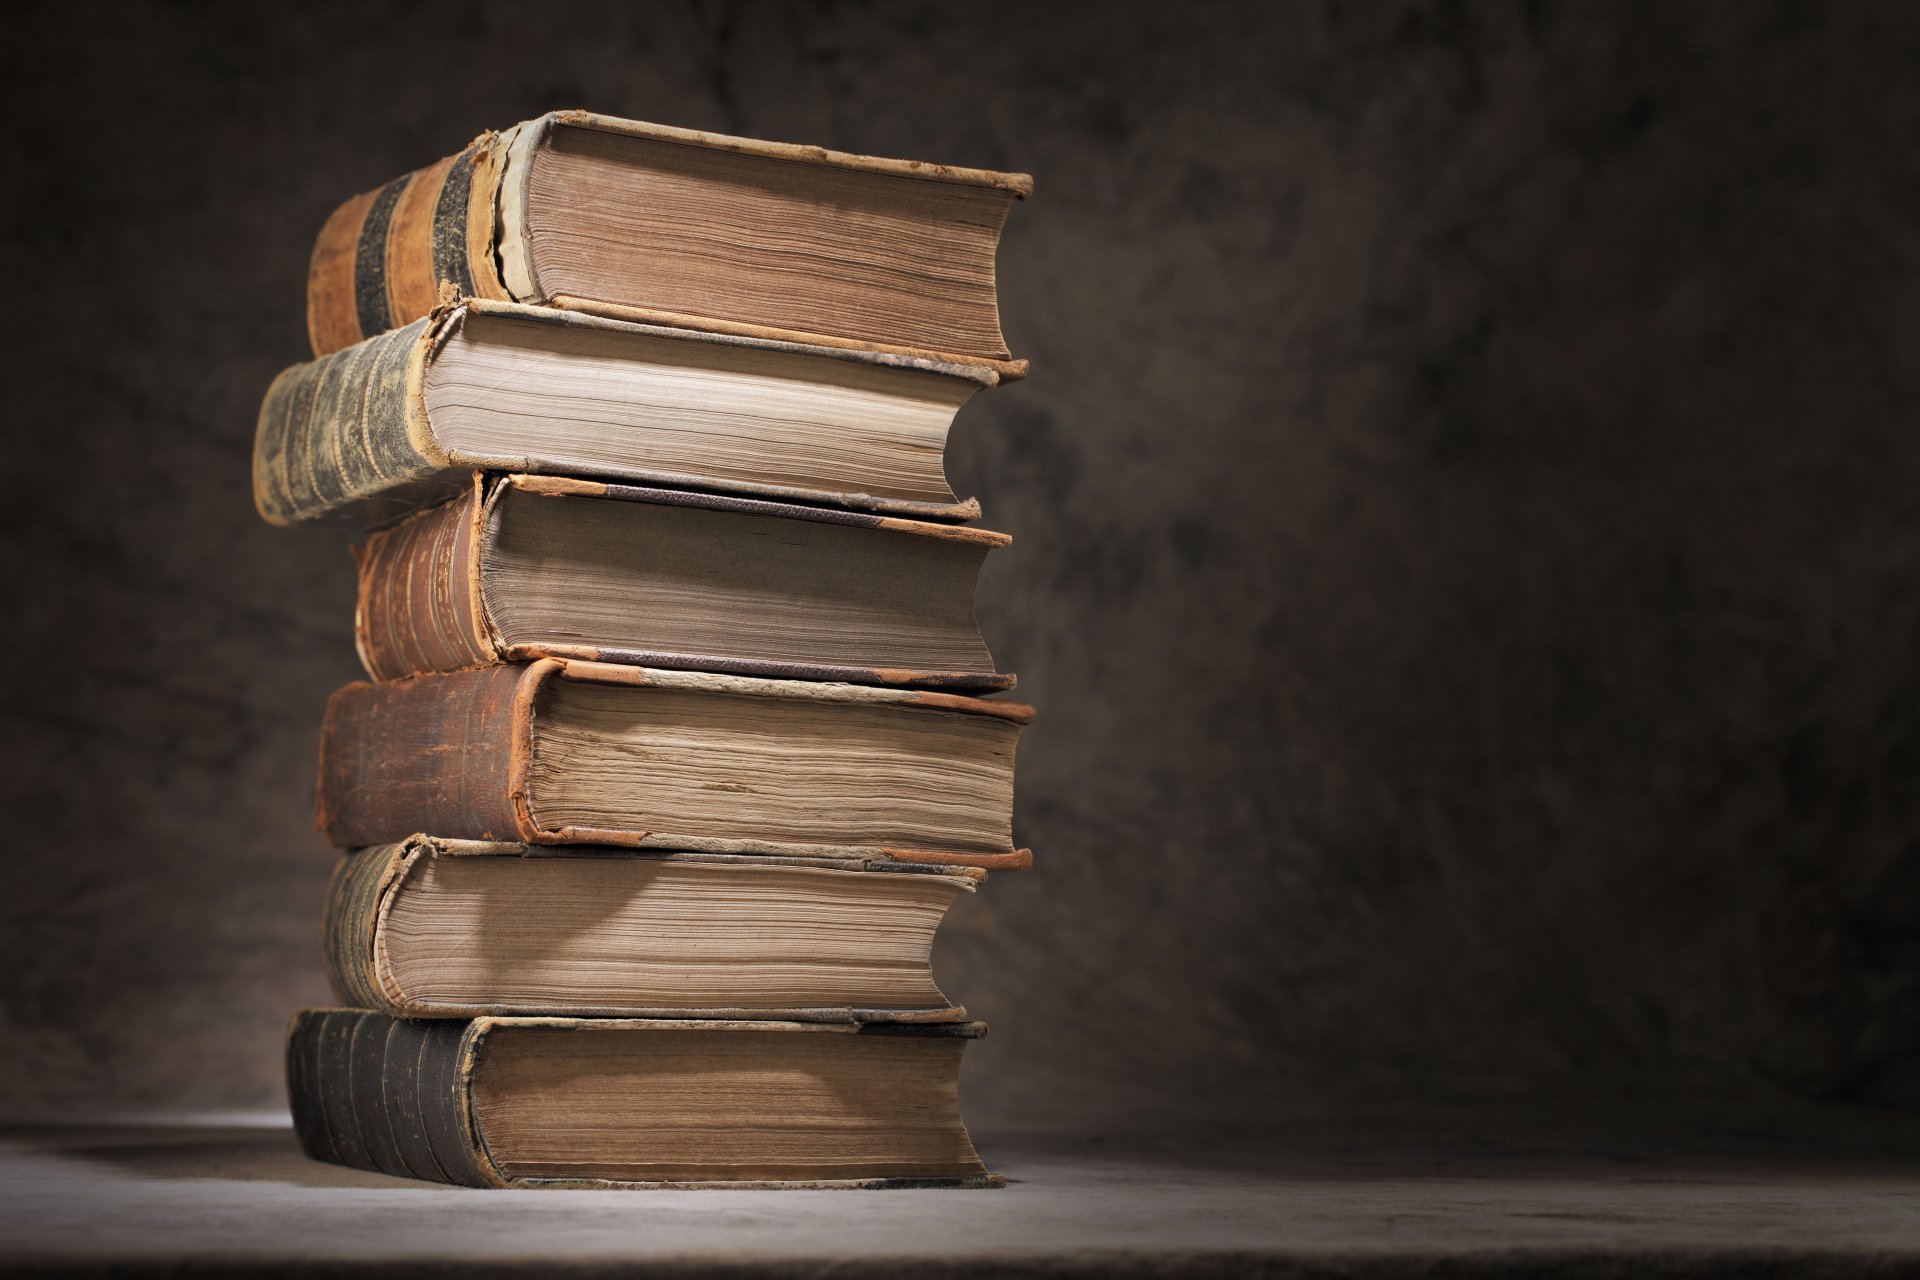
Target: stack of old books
[(675, 753)]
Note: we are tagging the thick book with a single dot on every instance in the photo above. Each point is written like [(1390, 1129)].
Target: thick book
[(561, 1102), (537, 566), (401, 421), (674, 226), (433, 928), (566, 752)]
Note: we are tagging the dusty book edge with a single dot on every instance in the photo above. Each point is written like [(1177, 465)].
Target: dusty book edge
[(795, 690), (636, 321), (1001, 370), (1019, 185)]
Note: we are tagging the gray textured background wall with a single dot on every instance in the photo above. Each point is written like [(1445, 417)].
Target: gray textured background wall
[(1465, 514)]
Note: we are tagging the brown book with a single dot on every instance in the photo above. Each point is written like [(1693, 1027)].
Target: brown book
[(561, 752), (561, 1102), (401, 421), (673, 226), (431, 928), (534, 566)]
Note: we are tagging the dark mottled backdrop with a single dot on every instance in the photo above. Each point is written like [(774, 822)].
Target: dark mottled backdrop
[(1467, 515)]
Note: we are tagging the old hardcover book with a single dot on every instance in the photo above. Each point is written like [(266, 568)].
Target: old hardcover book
[(561, 1102), (678, 227), (565, 752), (536, 566), (432, 928), (401, 421)]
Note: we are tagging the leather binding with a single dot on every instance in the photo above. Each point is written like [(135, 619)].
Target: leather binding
[(346, 438), (387, 257), (451, 754), (366, 884), (422, 599), (392, 1096), (382, 258)]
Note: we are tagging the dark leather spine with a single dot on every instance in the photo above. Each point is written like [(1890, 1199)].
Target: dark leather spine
[(377, 1093), (448, 235), (409, 1044), (366, 1090), (385, 258), (303, 1086), (420, 607), (439, 753), (370, 259), (428, 1092), (334, 1080), (334, 439)]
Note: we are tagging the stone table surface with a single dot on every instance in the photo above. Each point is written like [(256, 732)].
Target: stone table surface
[(1720, 1191)]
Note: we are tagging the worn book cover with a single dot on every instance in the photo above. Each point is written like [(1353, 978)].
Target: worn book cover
[(402, 420), (608, 1103), (738, 765), (671, 578), (679, 227), (438, 928)]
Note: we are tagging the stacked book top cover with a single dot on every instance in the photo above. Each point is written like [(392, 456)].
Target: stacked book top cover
[(676, 226)]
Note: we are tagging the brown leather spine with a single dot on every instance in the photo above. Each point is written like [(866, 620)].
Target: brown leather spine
[(420, 607), (331, 320), (439, 753), (411, 285), (384, 258)]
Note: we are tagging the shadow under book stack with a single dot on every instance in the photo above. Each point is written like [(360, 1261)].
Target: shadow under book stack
[(678, 745)]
